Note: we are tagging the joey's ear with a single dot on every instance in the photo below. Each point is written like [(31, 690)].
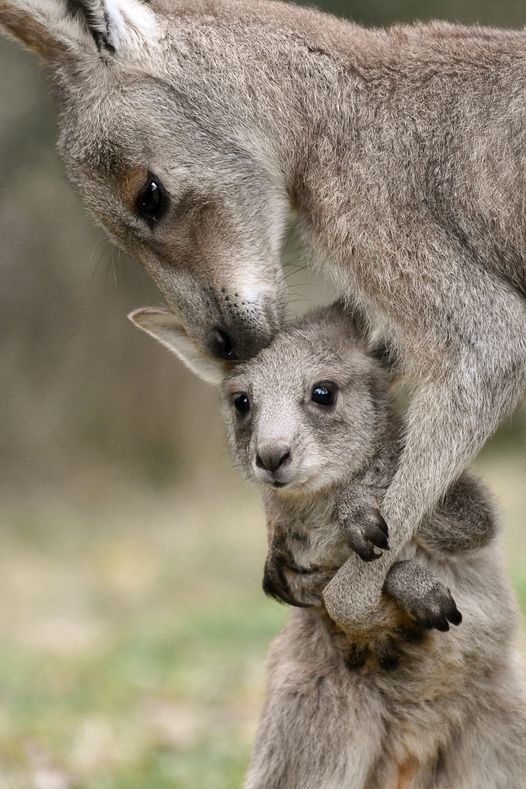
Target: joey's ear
[(167, 329), (354, 323), (351, 319)]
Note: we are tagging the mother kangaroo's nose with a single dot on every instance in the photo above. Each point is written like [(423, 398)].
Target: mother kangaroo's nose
[(221, 344), (272, 456)]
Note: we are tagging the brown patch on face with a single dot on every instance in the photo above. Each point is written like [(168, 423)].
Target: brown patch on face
[(406, 772), (130, 183)]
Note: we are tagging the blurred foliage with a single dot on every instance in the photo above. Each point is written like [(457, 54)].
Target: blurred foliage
[(133, 627)]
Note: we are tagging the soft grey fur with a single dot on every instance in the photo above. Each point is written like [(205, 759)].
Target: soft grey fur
[(396, 705), (402, 152)]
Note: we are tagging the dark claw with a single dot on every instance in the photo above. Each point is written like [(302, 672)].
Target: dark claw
[(366, 534), (380, 522), (365, 551), (366, 554), (377, 536), (437, 622), (455, 617)]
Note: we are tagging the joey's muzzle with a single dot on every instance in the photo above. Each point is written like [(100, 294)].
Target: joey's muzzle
[(273, 456), (272, 463)]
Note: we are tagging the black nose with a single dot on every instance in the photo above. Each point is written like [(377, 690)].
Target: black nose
[(221, 345), (272, 457)]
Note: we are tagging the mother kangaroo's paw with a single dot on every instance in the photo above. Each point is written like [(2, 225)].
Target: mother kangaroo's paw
[(366, 531), (419, 593)]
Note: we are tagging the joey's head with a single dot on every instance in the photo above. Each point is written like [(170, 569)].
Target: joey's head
[(168, 157), (307, 411)]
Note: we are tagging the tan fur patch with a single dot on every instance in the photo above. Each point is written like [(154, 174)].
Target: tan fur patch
[(131, 182), (406, 772)]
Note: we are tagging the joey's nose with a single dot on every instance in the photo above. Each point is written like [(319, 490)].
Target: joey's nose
[(273, 456), (221, 344)]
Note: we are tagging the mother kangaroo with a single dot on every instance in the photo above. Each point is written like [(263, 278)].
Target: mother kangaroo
[(192, 128)]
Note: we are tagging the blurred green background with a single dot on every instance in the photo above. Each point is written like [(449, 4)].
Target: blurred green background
[(132, 625)]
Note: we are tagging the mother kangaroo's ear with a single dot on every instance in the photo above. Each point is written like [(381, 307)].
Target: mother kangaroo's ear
[(116, 26), (41, 25), (62, 31), (167, 329)]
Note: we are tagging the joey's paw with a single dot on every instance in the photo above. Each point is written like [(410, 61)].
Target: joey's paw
[(367, 532), (436, 609)]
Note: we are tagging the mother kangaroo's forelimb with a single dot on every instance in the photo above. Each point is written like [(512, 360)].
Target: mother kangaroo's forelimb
[(475, 376)]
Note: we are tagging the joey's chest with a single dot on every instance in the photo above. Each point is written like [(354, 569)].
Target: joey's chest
[(304, 553)]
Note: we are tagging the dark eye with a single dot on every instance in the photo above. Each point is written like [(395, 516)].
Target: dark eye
[(241, 403), (324, 393), (152, 201)]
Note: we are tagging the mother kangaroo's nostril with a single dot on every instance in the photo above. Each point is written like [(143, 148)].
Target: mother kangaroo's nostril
[(221, 345), (272, 457)]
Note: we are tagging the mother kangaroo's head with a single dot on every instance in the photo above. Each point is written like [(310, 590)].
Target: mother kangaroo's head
[(161, 131)]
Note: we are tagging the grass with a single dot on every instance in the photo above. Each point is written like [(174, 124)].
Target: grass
[(134, 632)]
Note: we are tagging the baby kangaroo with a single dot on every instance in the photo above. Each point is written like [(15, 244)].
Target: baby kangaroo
[(311, 416)]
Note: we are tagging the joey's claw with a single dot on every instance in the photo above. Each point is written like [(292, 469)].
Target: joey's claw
[(372, 556), (419, 593), (439, 623), (363, 548), (439, 610), (377, 536), (375, 528), (365, 532), (380, 522)]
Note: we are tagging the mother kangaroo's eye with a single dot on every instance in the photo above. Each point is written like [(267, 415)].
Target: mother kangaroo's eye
[(241, 403), (152, 201), (324, 393)]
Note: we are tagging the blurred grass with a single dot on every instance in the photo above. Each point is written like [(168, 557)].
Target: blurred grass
[(134, 632), (132, 641)]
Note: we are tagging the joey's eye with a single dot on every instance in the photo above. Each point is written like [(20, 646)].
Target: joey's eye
[(324, 393), (152, 201), (241, 403)]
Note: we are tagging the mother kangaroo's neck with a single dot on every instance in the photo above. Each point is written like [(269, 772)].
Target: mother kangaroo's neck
[(335, 112)]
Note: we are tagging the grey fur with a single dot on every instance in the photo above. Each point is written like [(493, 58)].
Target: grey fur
[(402, 152), (392, 704)]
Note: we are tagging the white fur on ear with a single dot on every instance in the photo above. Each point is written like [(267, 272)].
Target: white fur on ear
[(163, 326), (120, 26)]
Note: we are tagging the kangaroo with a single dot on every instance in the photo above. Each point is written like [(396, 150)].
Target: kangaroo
[(192, 129), (310, 416)]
